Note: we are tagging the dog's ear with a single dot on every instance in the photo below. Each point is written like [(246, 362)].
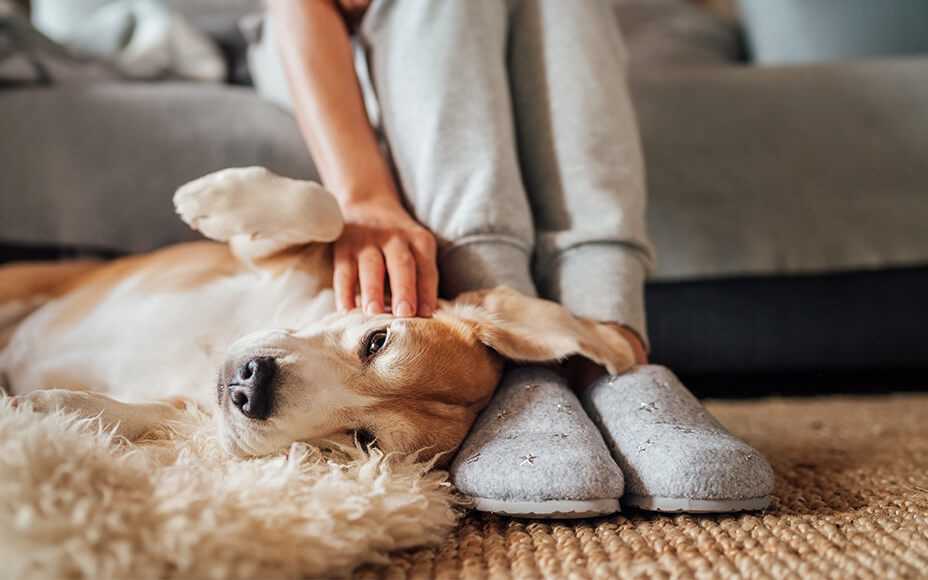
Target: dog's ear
[(534, 330)]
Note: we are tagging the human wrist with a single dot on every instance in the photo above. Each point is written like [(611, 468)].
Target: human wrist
[(377, 207), (369, 204), (364, 200), (364, 186)]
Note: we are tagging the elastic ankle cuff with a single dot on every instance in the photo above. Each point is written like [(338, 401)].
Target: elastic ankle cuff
[(600, 281), (474, 265)]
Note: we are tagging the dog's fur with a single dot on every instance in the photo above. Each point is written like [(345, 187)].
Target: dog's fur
[(127, 339)]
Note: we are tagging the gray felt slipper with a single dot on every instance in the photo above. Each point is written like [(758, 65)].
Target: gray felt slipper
[(535, 453), (674, 454)]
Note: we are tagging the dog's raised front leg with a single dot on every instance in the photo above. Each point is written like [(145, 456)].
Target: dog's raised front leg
[(257, 212), (130, 420)]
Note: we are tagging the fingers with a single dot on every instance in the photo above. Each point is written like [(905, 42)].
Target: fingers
[(364, 259), (401, 266), (424, 250), (345, 280), (371, 274)]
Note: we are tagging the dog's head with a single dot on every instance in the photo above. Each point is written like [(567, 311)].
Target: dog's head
[(405, 384)]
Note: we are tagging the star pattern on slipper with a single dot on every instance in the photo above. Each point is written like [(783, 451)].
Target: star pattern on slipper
[(472, 459), (539, 447)]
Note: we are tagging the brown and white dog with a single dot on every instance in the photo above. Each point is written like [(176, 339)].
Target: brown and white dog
[(119, 339)]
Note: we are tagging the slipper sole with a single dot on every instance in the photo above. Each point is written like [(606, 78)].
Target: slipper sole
[(696, 506), (551, 509)]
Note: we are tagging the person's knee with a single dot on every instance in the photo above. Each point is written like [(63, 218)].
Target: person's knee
[(586, 19), (412, 15), (567, 12)]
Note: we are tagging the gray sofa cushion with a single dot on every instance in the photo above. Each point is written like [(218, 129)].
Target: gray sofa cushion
[(97, 165), (787, 170)]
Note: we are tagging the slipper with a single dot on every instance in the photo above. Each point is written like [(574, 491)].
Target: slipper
[(533, 452), (675, 456)]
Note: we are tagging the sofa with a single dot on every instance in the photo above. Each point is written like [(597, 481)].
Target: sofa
[(788, 205)]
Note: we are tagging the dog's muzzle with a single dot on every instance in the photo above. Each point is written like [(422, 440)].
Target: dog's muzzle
[(250, 387)]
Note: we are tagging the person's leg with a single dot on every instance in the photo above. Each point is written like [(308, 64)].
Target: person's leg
[(582, 165), (445, 111), (438, 70), (581, 158)]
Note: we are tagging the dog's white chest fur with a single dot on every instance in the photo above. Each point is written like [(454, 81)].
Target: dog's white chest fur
[(143, 345)]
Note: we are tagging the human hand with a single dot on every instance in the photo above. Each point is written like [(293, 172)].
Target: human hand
[(382, 241)]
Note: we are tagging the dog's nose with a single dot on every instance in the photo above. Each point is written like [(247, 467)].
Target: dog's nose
[(251, 389)]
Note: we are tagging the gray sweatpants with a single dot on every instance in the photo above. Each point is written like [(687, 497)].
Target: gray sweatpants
[(512, 134)]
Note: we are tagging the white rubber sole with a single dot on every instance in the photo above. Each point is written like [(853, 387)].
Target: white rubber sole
[(696, 506), (553, 509)]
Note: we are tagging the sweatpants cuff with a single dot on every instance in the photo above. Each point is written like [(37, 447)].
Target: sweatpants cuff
[(474, 265), (601, 281)]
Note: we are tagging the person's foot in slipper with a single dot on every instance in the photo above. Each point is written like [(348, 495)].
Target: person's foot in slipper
[(675, 456), (535, 453)]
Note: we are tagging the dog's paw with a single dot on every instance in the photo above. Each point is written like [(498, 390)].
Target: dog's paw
[(52, 400), (253, 203), (218, 204)]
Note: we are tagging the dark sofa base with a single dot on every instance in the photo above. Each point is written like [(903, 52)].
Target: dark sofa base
[(836, 323), (808, 384)]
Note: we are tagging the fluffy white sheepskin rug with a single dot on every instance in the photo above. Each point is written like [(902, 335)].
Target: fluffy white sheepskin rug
[(76, 502)]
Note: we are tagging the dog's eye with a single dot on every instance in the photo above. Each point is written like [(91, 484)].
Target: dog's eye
[(364, 437), (374, 343)]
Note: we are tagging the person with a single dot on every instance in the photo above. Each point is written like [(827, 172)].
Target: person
[(495, 141)]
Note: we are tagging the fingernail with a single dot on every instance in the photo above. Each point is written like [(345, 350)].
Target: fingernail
[(425, 310), (403, 310), (372, 308)]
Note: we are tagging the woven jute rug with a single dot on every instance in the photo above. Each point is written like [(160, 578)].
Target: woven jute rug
[(851, 501)]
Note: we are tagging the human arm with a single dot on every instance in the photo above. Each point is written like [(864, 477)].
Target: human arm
[(381, 238)]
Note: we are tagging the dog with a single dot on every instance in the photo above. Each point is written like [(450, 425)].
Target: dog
[(249, 324)]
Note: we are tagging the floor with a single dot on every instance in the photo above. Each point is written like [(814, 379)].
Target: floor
[(851, 501)]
